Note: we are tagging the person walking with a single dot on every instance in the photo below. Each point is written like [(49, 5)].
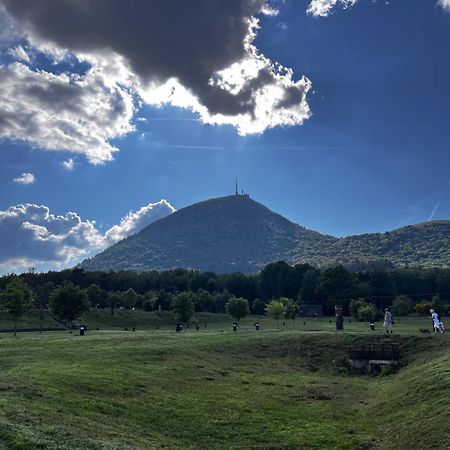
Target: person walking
[(436, 322), (388, 322)]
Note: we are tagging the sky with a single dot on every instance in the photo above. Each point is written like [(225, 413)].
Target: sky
[(333, 113)]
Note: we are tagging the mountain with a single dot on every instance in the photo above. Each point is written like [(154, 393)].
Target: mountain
[(236, 233)]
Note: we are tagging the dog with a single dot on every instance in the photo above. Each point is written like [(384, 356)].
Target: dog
[(425, 330)]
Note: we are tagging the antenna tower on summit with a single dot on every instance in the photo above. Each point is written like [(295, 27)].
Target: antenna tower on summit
[(237, 191)]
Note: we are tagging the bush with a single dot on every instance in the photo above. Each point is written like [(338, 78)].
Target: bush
[(423, 308), (355, 305), (147, 305), (402, 306), (366, 313)]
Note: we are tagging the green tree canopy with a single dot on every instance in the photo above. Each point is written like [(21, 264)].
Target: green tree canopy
[(366, 313), (276, 310), (237, 307), (96, 295), (355, 306), (42, 300), (114, 300), (130, 298), (16, 299), (402, 306), (290, 307), (68, 301), (183, 306), (258, 307), (437, 304)]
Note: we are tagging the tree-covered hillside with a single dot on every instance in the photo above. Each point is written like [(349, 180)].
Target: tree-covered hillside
[(238, 234)]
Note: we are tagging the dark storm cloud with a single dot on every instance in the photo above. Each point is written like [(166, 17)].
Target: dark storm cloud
[(186, 40)]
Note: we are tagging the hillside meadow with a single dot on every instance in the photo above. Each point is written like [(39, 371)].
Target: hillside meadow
[(285, 389)]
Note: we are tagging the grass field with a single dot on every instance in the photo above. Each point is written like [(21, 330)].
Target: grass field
[(165, 320), (214, 389)]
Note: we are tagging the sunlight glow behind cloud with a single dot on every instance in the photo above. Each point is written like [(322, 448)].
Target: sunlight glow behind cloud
[(207, 63)]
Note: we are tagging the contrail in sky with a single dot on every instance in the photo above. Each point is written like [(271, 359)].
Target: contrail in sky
[(438, 203)]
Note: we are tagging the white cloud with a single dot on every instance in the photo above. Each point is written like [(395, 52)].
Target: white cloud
[(31, 236), (20, 54), (220, 75), (445, 4), (71, 112), (322, 8), (68, 164), (25, 178), (135, 221)]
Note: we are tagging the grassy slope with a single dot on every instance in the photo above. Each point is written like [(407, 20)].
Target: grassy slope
[(151, 390), (269, 390), (413, 409)]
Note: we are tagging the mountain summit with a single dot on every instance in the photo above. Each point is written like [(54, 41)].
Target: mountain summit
[(236, 233)]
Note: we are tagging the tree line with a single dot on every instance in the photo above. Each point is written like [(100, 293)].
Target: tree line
[(407, 290)]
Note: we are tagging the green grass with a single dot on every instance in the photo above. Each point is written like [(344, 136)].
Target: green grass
[(165, 320), (218, 390)]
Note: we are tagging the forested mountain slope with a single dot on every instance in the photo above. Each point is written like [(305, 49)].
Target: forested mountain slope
[(236, 233)]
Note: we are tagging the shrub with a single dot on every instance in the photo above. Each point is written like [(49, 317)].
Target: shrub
[(355, 305), (366, 313), (147, 305), (423, 308), (402, 306)]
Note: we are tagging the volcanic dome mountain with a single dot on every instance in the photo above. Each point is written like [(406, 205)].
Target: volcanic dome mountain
[(238, 234)]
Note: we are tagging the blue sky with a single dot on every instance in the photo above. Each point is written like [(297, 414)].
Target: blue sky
[(373, 156)]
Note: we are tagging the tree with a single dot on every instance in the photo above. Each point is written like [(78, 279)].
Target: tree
[(16, 299), (149, 301), (402, 306), (307, 294), (258, 307), (219, 301), (337, 285), (96, 296), (68, 301), (355, 306), (202, 300), (163, 301), (114, 300), (367, 313), (237, 307), (183, 306), (437, 304), (290, 308), (129, 298), (147, 304), (382, 288), (42, 300), (276, 310)]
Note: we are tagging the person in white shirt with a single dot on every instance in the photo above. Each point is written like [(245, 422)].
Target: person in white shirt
[(436, 322), (388, 322)]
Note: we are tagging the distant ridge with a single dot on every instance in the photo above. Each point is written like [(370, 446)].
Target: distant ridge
[(238, 234)]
